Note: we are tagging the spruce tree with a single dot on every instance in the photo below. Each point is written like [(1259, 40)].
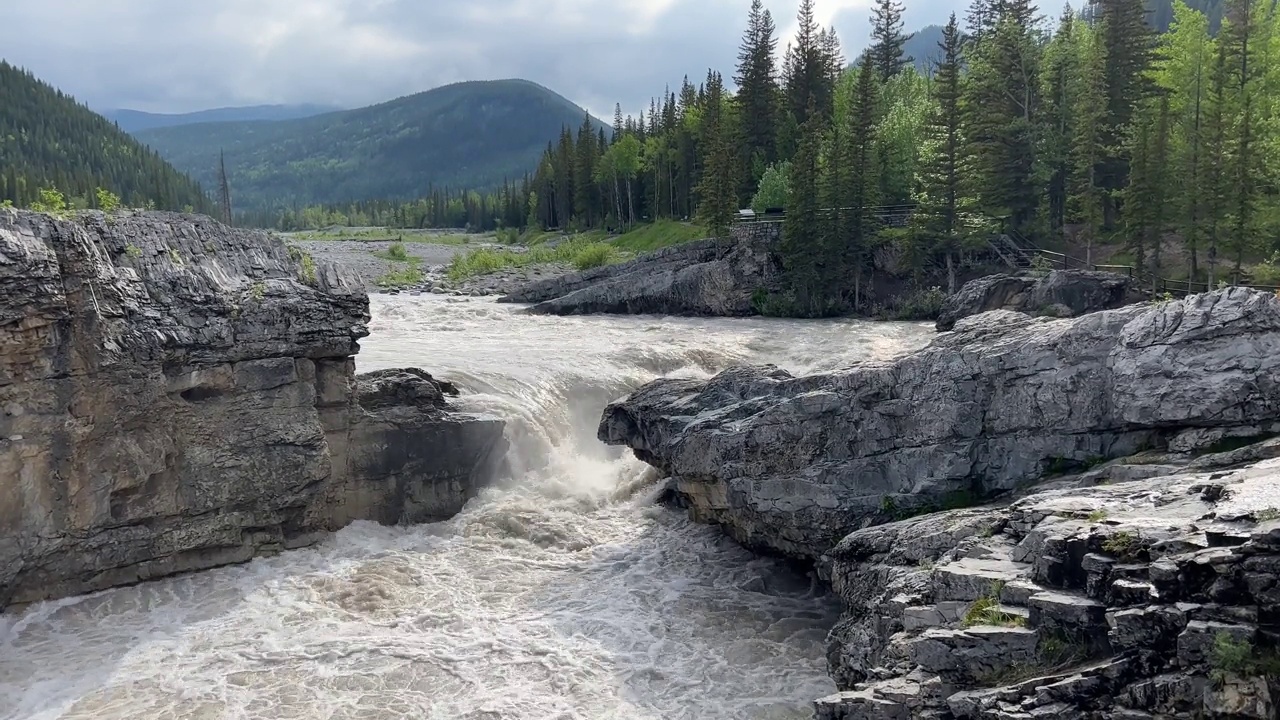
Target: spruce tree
[(807, 69), (585, 154), (937, 219), (757, 95), (718, 189), (1087, 199), (802, 232), (1127, 47), (1002, 106), (887, 39), (224, 190)]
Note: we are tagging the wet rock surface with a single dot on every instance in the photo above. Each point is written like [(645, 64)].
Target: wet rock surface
[(793, 464), (1059, 293), (705, 277), (177, 395), (1139, 599), (1130, 567)]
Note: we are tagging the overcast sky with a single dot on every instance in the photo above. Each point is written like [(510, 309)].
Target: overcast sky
[(151, 55)]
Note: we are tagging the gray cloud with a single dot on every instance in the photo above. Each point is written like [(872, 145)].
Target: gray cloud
[(151, 55)]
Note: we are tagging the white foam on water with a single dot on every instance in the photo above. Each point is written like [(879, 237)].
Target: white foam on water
[(565, 593)]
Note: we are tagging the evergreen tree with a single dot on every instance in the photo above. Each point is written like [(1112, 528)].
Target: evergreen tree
[(807, 70), (888, 42), (802, 234), (224, 190), (1002, 105), (937, 220), (585, 191), (757, 96), (1087, 199), (718, 189), (1127, 44)]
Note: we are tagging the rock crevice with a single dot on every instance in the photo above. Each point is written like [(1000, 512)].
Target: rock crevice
[(176, 395)]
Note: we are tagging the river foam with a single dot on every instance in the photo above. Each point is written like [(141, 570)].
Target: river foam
[(564, 593)]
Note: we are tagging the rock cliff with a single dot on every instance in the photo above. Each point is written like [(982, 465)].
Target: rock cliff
[(795, 464), (176, 395), (706, 277), (1133, 599), (1142, 586), (1060, 293)]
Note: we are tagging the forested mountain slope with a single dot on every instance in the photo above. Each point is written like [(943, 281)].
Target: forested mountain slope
[(132, 121), (472, 135), (48, 140)]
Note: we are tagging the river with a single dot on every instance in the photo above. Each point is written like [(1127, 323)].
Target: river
[(564, 594)]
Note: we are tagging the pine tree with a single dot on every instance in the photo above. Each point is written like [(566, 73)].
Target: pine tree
[(585, 155), (802, 234), (1183, 66), (937, 220), (807, 69), (1002, 107), (718, 189), (757, 96), (1087, 199), (888, 40), (224, 190), (1127, 46)]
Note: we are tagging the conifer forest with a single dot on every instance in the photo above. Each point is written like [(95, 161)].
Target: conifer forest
[(1086, 131)]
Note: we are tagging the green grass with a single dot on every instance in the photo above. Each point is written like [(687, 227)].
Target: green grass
[(580, 251), (397, 253), (585, 250), (383, 235), (401, 277), (663, 233)]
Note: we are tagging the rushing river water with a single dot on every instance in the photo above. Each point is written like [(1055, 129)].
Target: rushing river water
[(563, 594)]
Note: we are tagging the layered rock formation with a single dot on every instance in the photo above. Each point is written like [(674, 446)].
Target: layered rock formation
[(1153, 598), (707, 277), (1134, 590), (176, 395), (1060, 293)]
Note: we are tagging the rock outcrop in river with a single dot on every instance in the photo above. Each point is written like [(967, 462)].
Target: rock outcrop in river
[(1155, 591), (1059, 293), (177, 395), (706, 277)]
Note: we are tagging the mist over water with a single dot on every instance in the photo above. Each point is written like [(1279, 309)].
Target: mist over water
[(565, 593)]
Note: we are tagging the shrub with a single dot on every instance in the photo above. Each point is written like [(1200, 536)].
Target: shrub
[(921, 305), (593, 255), (107, 200), (397, 252), (51, 201)]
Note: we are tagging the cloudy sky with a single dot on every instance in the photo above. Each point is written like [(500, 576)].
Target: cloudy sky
[(151, 55)]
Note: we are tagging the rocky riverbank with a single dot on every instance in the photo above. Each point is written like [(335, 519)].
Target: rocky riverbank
[(706, 277), (1058, 293), (179, 395), (1141, 586)]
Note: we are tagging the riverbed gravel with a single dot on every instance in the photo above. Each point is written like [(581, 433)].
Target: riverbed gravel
[(365, 260)]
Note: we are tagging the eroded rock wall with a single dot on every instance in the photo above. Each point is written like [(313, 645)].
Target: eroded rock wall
[(793, 464), (176, 395), (707, 277)]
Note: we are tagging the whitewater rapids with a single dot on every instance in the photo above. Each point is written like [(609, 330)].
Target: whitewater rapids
[(564, 594)]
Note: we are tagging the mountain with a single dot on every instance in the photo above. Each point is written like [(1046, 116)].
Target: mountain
[(923, 47), (48, 140), (132, 121), (469, 135)]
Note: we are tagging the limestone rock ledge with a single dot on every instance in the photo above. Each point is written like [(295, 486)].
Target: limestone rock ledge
[(1060, 293), (177, 395), (702, 278), (794, 464), (1131, 600)]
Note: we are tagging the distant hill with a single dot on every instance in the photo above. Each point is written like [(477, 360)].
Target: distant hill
[(923, 47), (468, 135), (47, 139), (132, 121)]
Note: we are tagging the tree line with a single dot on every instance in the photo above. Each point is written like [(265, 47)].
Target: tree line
[(1091, 129), (49, 141)]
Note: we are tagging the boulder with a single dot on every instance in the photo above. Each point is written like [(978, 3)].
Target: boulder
[(706, 277), (793, 464), (1060, 293), (176, 395)]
